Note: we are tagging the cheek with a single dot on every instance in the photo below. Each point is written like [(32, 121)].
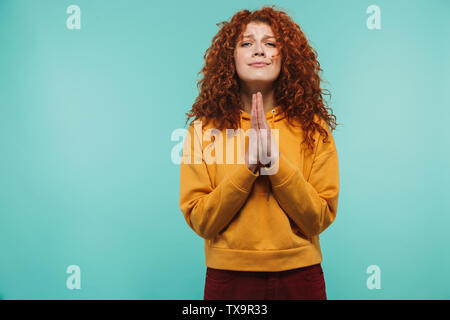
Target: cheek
[(276, 60), (237, 58), (275, 56)]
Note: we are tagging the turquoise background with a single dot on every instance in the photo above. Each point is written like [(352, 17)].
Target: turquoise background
[(86, 118)]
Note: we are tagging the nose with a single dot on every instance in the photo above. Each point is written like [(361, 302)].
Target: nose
[(259, 51)]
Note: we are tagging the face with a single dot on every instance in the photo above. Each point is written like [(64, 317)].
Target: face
[(258, 45)]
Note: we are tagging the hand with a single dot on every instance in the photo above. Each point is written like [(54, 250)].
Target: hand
[(262, 138), (251, 156), (268, 149)]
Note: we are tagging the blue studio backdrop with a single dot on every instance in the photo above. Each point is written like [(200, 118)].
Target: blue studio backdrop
[(90, 111)]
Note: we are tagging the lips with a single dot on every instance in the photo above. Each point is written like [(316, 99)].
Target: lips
[(258, 64)]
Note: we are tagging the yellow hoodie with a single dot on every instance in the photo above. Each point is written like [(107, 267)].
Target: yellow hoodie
[(254, 222)]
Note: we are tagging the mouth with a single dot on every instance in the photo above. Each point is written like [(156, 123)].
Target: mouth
[(258, 64)]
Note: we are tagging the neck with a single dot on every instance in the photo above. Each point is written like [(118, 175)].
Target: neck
[(267, 93)]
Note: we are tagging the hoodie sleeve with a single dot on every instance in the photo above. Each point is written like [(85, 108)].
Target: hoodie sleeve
[(208, 210), (311, 204)]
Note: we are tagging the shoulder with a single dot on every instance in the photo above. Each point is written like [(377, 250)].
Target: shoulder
[(203, 131), (329, 145)]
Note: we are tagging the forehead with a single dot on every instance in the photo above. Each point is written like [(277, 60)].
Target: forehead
[(258, 29)]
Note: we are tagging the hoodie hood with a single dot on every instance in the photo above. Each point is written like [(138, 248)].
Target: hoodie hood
[(272, 116)]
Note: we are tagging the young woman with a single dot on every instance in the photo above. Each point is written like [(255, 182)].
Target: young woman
[(260, 220)]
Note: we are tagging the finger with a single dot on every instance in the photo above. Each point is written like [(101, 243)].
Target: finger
[(258, 120), (261, 115), (263, 123), (266, 126), (256, 112), (260, 110), (267, 141), (252, 146), (253, 140), (253, 120), (263, 148)]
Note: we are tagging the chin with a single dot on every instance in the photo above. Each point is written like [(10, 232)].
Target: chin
[(262, 80)]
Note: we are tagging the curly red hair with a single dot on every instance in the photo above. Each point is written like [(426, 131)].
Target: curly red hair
[(297, 88)]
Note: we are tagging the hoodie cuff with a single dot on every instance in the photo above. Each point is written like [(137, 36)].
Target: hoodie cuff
[(285, 171), (242, 178)]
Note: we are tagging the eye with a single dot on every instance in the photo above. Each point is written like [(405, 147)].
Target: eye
[(269, 43)]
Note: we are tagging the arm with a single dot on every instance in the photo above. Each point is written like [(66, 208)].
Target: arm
[(208, 210), (311, 204)]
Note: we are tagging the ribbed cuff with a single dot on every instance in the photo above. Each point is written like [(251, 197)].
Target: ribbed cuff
[(285, 170), (242, 178)]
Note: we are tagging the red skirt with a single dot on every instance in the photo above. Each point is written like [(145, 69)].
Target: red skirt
[(305, 283)]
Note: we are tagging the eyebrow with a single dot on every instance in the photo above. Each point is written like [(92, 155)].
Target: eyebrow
[(265, 36)]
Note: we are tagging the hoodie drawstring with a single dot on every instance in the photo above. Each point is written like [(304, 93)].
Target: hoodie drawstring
[(273, 118), (240, 118)]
